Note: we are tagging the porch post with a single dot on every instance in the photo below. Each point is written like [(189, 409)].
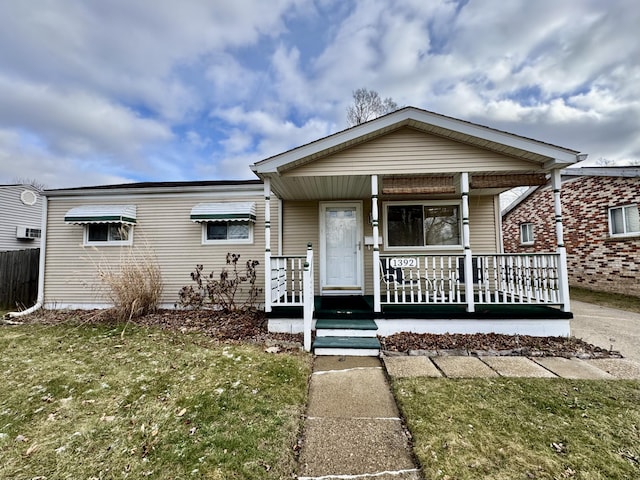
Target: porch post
[(563, 272), (267, 245), (376, 247), (468, 263)]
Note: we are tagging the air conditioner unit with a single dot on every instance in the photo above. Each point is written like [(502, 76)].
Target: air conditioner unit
[(26, 233)]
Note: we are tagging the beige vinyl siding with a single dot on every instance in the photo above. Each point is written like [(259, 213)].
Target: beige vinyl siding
[(483, 224), (409, 151), (301, 225), (163, 228)]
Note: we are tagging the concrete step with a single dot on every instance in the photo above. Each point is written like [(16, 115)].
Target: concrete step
[(336, 323), (345, 328), (343, 345), (344, 332)]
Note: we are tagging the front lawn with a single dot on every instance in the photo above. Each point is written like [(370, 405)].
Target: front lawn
[(92, 402), (523, 428)]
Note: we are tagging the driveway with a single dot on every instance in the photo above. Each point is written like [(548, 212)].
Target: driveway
[(607, 328)]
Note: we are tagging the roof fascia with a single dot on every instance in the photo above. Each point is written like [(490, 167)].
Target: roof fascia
[(602, 172), (91, 192)]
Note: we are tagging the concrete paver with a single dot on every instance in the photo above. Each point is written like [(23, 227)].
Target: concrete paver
[(464, 367), (517, 367), (337, 446), (620, 368), (331, 362), (351, 393), (573, 368), (411, 366)]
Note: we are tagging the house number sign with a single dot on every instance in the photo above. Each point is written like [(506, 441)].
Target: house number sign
[(403, 262)]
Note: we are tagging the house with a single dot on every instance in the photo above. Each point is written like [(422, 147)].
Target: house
[(391, 225), (20, 217), (602, 226)]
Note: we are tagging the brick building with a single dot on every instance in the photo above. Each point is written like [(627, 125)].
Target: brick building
[(601, 225)]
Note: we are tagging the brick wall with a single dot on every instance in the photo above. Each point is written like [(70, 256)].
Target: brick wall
[(595, 259)]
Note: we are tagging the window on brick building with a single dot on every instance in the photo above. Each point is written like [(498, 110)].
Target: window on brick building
[(526, 233), (624, 220)]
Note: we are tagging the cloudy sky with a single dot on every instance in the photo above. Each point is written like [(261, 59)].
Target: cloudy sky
[(95, 92)]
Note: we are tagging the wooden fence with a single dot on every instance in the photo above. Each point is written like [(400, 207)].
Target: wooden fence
[(19, 278)]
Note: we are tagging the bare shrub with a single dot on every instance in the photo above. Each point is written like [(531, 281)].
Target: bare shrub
[(220, 293), (133, 284)]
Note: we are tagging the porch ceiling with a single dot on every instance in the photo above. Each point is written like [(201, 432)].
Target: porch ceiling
[(321, 188), (347, 187)]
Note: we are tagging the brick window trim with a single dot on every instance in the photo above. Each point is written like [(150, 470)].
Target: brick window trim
[(622, 238)]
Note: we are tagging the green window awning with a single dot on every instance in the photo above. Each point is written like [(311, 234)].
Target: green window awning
[(224, 212), (102, 214)]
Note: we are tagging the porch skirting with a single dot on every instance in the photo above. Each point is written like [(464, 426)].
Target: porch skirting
[(557, 327)]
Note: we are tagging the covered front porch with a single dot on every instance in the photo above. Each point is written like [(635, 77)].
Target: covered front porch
[(403, 214), (510, 294)]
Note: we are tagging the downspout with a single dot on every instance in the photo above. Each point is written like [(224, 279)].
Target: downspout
[(43, 247)]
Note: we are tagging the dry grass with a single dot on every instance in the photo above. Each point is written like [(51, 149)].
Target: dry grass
[(133, 284), (85, 402), (503, 429)]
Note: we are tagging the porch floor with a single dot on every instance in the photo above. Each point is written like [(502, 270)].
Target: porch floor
[(361, 307)]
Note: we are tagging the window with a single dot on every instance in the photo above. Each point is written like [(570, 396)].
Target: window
[(227, 232), (624, 220), (422, 225), (34, 232), (526, 233), (108, 234)]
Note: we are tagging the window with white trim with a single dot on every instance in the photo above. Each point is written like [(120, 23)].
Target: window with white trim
[(108, 234), (422, 225), (526, 233), (227, 232), (624, 221)]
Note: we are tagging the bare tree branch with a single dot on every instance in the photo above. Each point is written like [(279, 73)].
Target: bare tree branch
[(368, 105)]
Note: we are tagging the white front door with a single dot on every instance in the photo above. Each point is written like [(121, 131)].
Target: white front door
[(341, 247)]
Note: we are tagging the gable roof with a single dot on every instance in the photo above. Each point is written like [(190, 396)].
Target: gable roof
[(551, 156)]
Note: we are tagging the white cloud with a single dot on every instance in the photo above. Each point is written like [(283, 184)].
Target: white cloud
[(76, 123), (20, 160), (155, 89)]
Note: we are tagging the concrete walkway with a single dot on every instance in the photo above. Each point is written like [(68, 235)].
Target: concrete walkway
[(353, 429), (487, 367)]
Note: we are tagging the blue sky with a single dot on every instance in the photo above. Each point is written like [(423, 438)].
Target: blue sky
[(159, 90)]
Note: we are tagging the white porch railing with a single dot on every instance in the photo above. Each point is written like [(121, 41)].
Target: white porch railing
[(496, 279), (309, 300), (287, 280), (292, 285), (421, 279), (518, 278)]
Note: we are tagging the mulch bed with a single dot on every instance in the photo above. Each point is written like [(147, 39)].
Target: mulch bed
[(252, 328), (228, 327), (491, 344)]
